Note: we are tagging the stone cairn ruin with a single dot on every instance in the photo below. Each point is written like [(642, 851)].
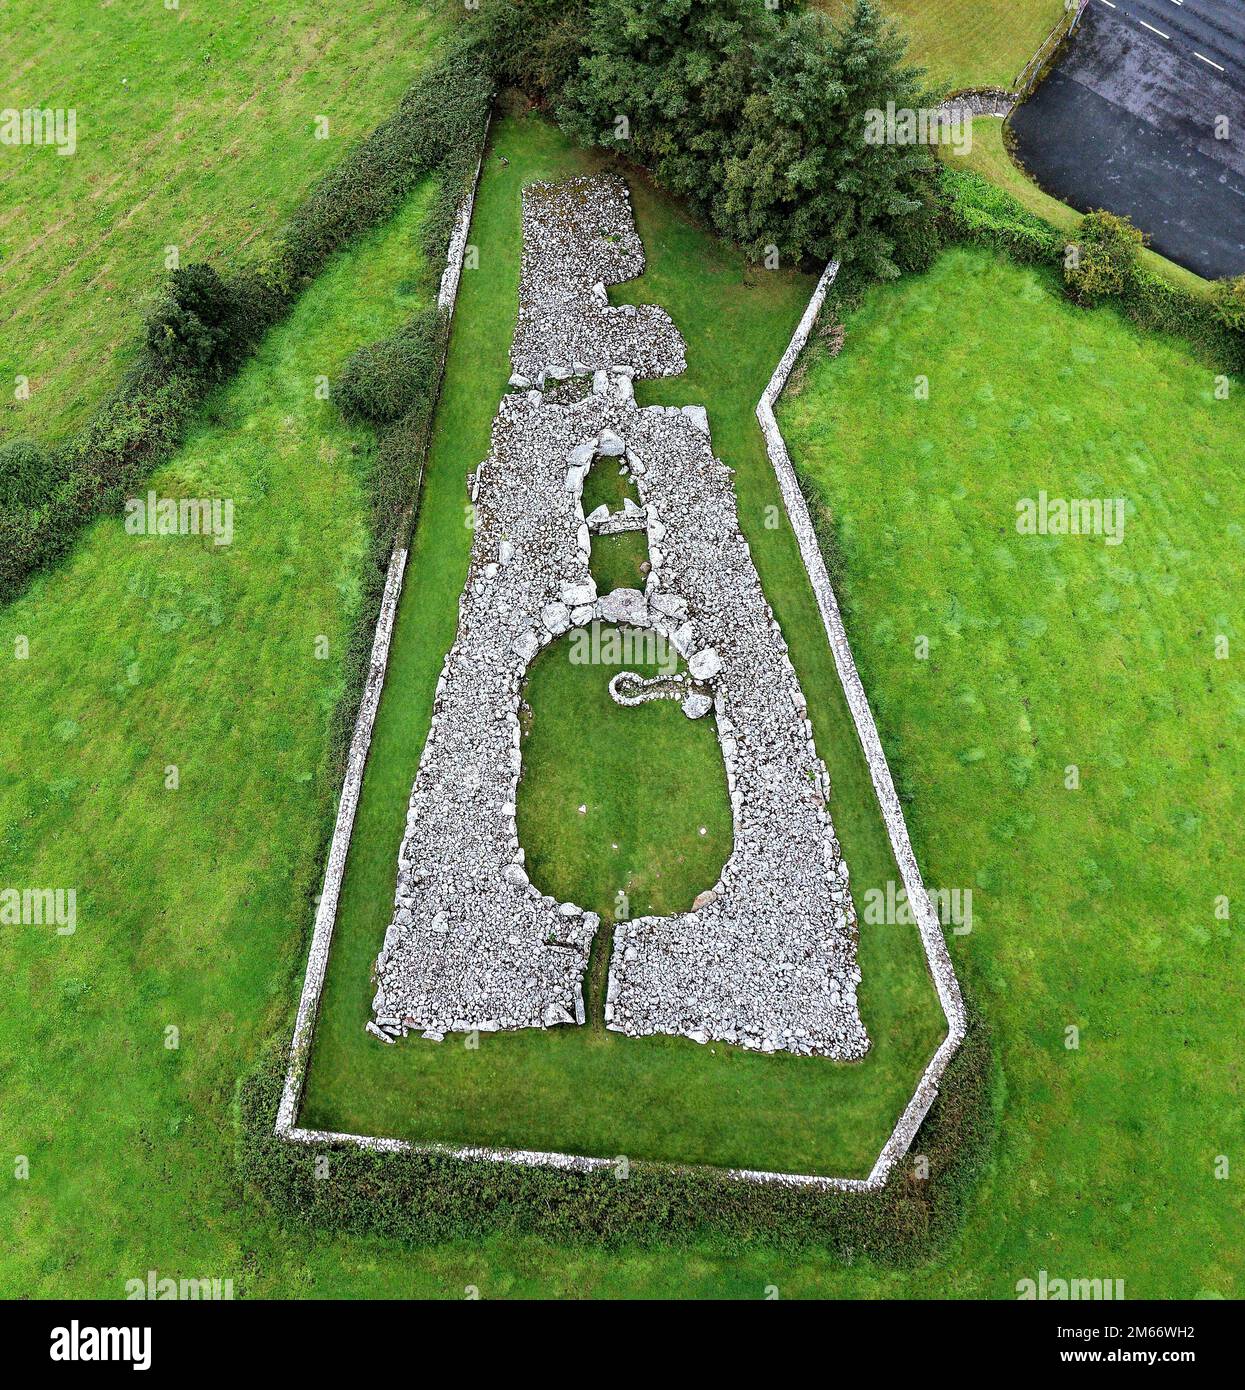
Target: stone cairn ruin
[(766, 958)]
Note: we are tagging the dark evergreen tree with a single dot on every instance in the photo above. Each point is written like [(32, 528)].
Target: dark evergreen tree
[(664, 82), (758, 118)]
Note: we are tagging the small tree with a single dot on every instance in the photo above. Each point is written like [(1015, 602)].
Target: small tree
[(384, 380), (192, 328), (1103, 259), (27, 474)]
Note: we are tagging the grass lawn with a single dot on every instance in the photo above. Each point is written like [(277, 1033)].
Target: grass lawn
[(585, 1089), (971, 43), (153, 653), (196, 128), (1094, 908), (622, 809)]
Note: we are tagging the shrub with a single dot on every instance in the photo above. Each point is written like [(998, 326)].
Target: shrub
[(27, 473), (918, 238), (440, 116), (193, 327), (385, 379), (1103, 261), (974, 209), (1228, 298), (534, 45), (140, 425)]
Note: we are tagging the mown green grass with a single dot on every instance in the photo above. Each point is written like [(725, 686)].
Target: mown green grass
[(196, 129), (970, 43), (621, 809), (580, 1089), (619, 562), (152, 653), (1094, 908)]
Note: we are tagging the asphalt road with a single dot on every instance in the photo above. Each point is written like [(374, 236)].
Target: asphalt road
[(1132, 120), (1212, 32)]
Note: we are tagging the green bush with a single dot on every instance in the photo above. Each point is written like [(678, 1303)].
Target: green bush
[(385, 379), (1103, 261), (1228, 306), (440, 117), (918, 239), (1228, 298), (192, 330), (533, 45), (974, 209), (138, 427), (27, 473)]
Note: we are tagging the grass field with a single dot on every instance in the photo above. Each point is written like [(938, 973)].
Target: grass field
[(153, 653), (184, 139), (1094, 908), (971, 43), (587, 1090)]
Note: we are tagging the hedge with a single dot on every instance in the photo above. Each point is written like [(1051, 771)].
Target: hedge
[(975, 210), (205, 325), (429, 1197)]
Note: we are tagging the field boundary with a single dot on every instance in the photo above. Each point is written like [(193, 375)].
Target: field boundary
[(937, 957), (1028, 76), (361, 741)]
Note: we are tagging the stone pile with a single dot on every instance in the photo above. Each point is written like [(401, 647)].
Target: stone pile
[(578, 238), (766, 959)]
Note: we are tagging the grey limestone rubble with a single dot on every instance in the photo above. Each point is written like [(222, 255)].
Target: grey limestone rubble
[(578, 238), (767, 956)]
